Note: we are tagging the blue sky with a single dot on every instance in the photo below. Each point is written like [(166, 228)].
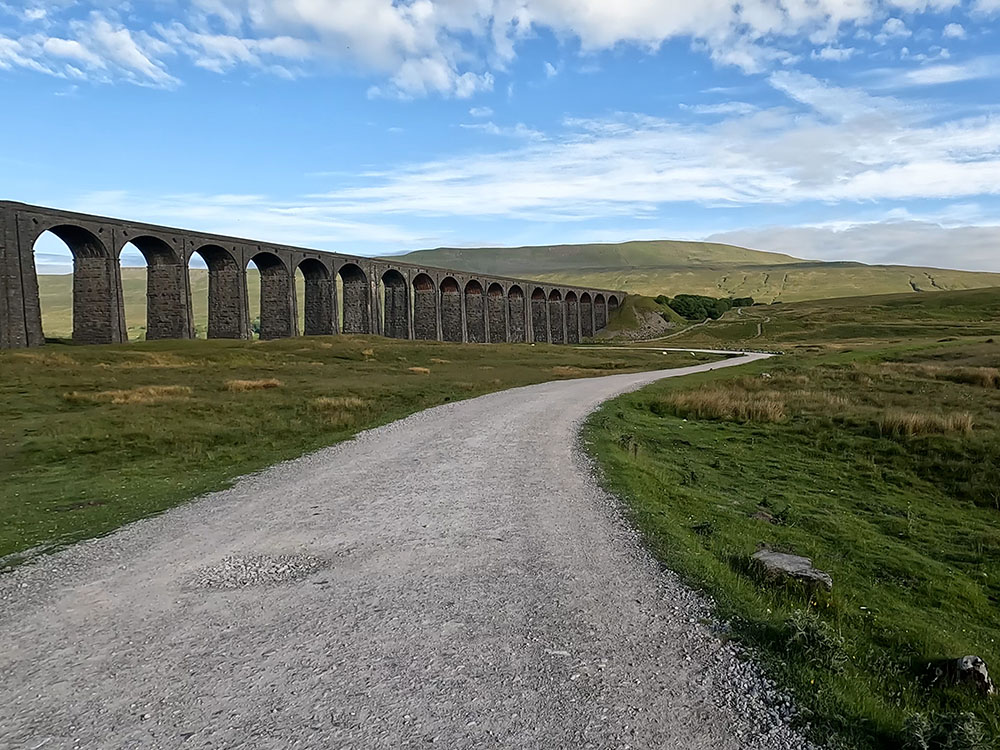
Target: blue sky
[(832, 129)]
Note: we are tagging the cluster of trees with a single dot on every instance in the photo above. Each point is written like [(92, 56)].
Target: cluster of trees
[(699, 307)]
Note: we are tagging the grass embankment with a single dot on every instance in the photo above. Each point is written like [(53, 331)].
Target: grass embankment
[(882, 467), (631, 315), (94, 437)]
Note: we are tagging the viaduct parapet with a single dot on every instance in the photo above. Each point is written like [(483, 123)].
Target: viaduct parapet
[(343, 293)]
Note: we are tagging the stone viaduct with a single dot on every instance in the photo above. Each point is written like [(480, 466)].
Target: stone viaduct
[(343, 293)]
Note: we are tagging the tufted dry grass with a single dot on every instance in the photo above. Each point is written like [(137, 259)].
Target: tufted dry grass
[(253, 385), (148, 394), (914, 424), (728, 404)]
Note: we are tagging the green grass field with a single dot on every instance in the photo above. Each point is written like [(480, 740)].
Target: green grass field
[(717, 270), (94, 437), (873, 447), (858, 321), (56, 294)]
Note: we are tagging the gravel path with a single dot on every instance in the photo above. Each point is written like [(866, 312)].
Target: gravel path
[(455, 578)]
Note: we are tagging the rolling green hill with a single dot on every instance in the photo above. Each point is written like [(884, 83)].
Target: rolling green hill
[(666, 267)]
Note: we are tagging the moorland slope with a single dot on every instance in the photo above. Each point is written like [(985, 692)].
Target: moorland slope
[(671, 267)]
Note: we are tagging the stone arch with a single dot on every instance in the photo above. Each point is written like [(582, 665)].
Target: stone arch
[(356, 299), (277, 296), (318, 319), (451, 310), (600, 312), (557, 318), (396, 308), (612, 303), (496, 314), (167, 314), (226, 293), (539, 316), (586, 315), (475, 313), (97, 310), (425, 311), (572, 318), (515, 313)]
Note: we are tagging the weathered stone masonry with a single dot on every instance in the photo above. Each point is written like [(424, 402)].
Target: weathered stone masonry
[(342, 293)]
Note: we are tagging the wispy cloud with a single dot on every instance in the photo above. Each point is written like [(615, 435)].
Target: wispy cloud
[(827, 144), (987, 66)]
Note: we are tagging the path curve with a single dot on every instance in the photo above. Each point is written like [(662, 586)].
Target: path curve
[(474, 589)]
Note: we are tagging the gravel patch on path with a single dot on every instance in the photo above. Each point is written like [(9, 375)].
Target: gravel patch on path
[(456, 578)]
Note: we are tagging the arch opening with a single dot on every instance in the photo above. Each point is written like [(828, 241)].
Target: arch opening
[(218, 297), (396, 306), (314, 286), (539, 316), (475, 313), (496, 314), (451, 310), (95, 313), (425, 311), (272, 310), (515, 314), (600, 313), (586, 315), (154, 290), (355, 299), (572, 318), (557, 318)]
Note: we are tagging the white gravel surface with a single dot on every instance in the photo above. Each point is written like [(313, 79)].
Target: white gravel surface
[(456, 578)]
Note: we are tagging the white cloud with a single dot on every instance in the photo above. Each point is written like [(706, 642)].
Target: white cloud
[(550, 70), (828, 144), (835, 54), (920, 6), (253, 216), (481, 112), (451, 48), (520, 130), (931, 75), (894, 28), (953, 31), (722, 108), (72, 49)]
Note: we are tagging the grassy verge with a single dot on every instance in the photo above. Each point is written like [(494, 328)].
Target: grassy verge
[(94, 437), (884, 468)]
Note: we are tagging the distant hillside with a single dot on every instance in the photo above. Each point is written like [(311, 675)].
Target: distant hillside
[(666, 267)]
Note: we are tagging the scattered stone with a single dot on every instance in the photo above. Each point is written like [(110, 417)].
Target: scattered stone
[(969, 670), (239, 571), (779, 565), (763, 515)]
